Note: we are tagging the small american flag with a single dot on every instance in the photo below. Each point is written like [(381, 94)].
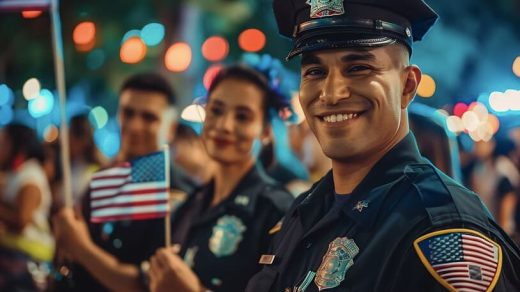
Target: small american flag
[(467, 262), (131, 191)]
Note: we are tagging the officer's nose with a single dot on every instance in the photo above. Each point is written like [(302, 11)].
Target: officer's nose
[(335, 87)]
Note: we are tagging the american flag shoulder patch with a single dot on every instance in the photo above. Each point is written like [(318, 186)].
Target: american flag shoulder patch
[(461, 259)]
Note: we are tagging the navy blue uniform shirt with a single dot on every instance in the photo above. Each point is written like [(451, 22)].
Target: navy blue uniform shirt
[(406, 227), (222, 243)]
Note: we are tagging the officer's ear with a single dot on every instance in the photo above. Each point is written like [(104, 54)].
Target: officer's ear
[(413, 77)]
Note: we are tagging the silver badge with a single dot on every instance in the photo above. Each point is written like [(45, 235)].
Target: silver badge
[(325, 8), (361, 205), (335, 263), (226, 236)]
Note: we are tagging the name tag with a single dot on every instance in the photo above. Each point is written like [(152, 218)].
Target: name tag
[(266, 259)]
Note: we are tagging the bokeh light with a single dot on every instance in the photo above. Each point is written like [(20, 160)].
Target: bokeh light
[(497, 102), (31, 88), (494, 123), (96, 59), (42, 105), (152, 34), (459, 109), (470, 121), (6, 115), (210, 74), (129, 34), (194, 113), (50, 134), (132, 51), (426, 87), (516, 66), (178, 57), (481, 111), (31, 13), (454, 124), (6, 95), (215, 49), (98, 116), (251, 40), (84, 33)]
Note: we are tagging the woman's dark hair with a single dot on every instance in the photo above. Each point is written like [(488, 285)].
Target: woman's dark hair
[(80, 128), (24, 141), (243, 73)]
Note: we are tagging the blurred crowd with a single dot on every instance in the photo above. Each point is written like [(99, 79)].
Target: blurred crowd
[(31, 181)]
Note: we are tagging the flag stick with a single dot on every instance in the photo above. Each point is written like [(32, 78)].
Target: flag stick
[(167, 223), (59, 72)]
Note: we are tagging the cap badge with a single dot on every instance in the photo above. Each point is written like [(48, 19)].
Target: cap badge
[(325, 8)]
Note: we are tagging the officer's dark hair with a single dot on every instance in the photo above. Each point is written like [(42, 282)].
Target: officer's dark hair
[(247, 74), (149, 81), (23, 142)]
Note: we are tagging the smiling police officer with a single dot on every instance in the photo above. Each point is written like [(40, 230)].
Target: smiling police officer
[(384, 218)]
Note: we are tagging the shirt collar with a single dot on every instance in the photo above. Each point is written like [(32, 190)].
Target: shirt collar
[(370, 193)]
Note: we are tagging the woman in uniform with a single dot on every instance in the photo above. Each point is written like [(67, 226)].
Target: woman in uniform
[(224, 227)]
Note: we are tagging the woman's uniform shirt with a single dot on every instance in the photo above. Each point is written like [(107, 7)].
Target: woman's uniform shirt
[(222, 244)]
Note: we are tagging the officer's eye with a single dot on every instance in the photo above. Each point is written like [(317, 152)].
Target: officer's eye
[(313, 72), (358, 69)]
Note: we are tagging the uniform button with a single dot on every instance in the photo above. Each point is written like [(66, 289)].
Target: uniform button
[(308, 244)]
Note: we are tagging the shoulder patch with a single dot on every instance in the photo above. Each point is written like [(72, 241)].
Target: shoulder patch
[(461, 259)]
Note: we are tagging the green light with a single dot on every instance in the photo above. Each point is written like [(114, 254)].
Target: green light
[(98, 116)]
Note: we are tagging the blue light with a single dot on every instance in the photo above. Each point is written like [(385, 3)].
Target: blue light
[(95, 59), (6, 95), (152, 34), (42, 105), (107, 139), (6, 115), (131, 33), (98, 116)]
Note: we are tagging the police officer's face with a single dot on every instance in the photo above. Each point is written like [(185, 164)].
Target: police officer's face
[(234, 120), (355, 99), (142, 116)]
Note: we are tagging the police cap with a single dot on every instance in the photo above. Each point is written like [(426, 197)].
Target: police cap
[(329, 24)]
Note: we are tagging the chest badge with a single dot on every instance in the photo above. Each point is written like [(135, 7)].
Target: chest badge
[(226, 235), (336, 261), (361, 205), (324, 8)]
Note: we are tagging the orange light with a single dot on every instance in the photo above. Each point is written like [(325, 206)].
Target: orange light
[(210, 74), (251, 40), (178, 57), (516, 66), (31, 13), (494, 123), (50, 133), (132, 51), (426, 87), (215, 49), (84, 33)]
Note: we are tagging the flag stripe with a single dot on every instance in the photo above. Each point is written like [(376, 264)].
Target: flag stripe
[(112, 171), (470, 286), (479, 250), (141, 216), (133, 204), (128, 188), (132, 198), (479, 262), (129, 210), (477, 239), (470, 254), (101, 184)]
